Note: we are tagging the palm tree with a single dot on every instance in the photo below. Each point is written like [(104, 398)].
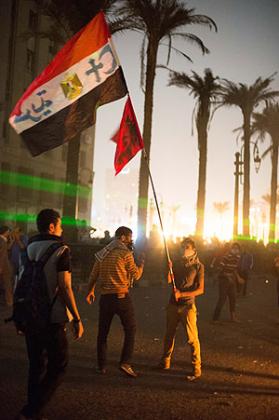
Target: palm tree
[(158, 20), (221, 206), (264, 123), (205, 90), (247, 98)]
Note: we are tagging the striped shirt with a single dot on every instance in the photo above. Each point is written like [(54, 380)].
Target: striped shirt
[(115, 272), (229, 264)]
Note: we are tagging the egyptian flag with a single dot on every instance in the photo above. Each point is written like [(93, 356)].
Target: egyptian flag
[(128, 138), (62, 101)]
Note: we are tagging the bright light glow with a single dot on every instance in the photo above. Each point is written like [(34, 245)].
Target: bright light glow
[(180, 221)]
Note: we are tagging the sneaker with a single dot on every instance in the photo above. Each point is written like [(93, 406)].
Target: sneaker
[(128, 370), (163, 365), (196, 375)]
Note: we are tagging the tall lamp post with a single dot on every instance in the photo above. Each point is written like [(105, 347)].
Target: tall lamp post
[(238, 172), (239, 161)]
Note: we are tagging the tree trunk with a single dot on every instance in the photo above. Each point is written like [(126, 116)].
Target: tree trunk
[(147, 129), (70, 202), (246, 187), (202, 139), (273, 191), (202, 124)]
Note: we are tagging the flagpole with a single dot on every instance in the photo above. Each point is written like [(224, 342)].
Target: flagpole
[(160, 219)]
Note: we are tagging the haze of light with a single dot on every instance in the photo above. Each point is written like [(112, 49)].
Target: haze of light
[(244, 48)]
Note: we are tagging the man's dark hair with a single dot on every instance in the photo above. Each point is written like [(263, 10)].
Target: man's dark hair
[(236, 245), (123, 230), (4, 229), (45, 218), (188, 241)]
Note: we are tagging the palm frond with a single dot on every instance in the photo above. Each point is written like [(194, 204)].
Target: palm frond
[(193, 39), (178, 52), (142, 65), (266, 152)]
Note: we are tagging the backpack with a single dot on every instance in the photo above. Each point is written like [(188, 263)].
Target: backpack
[(32, 304)]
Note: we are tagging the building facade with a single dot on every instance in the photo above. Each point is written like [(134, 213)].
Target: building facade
[(28, 184)]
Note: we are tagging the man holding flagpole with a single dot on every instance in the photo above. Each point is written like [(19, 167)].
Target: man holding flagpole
[(188, 273)]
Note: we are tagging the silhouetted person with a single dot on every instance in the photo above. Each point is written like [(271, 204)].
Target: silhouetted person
[(244, 269), (228, 282), (106, 239), (189, 280), (5, 266)]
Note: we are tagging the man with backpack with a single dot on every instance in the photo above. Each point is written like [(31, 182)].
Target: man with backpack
[(43, 303)]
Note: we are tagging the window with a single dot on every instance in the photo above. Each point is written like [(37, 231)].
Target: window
[(30, 60), (4, 131), (25, 189), (33, 21), (5, 177), (64, 153), (82, 204), (82, 159), (47, 194)]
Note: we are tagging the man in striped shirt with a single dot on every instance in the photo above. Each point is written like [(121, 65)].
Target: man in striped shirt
[(115, 269), (228, 282)]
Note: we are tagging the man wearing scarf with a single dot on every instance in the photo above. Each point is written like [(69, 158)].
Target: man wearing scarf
[(189, 282), (115, 269)]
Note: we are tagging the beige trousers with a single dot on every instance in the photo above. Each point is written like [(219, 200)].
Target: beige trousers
[(187, 316)]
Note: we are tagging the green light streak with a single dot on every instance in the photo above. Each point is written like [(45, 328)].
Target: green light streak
[(242, 238), (31, 218), (16, 179)]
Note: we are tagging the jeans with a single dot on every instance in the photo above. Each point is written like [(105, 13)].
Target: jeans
[(187, 315), (245, 275), (5, 279), (48, 358), (227, 288), (109, 306)]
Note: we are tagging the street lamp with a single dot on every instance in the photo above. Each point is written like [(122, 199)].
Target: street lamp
[(256, 158), (238, 173), (239, 162)]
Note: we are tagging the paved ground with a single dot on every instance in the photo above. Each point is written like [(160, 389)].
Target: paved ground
[(240, 365)]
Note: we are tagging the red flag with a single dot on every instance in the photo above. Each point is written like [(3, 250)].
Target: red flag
[(128, 138)]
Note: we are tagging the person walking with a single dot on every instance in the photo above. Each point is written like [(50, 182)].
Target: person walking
[(189, 282), (115, 269), (47, 349), (19, 243), (245, 266), (228, 282), (5, 266)]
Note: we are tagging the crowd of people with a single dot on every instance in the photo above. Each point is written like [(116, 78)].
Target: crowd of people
[(45, 258)]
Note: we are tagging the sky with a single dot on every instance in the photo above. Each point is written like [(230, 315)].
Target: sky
[(244, 48)]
